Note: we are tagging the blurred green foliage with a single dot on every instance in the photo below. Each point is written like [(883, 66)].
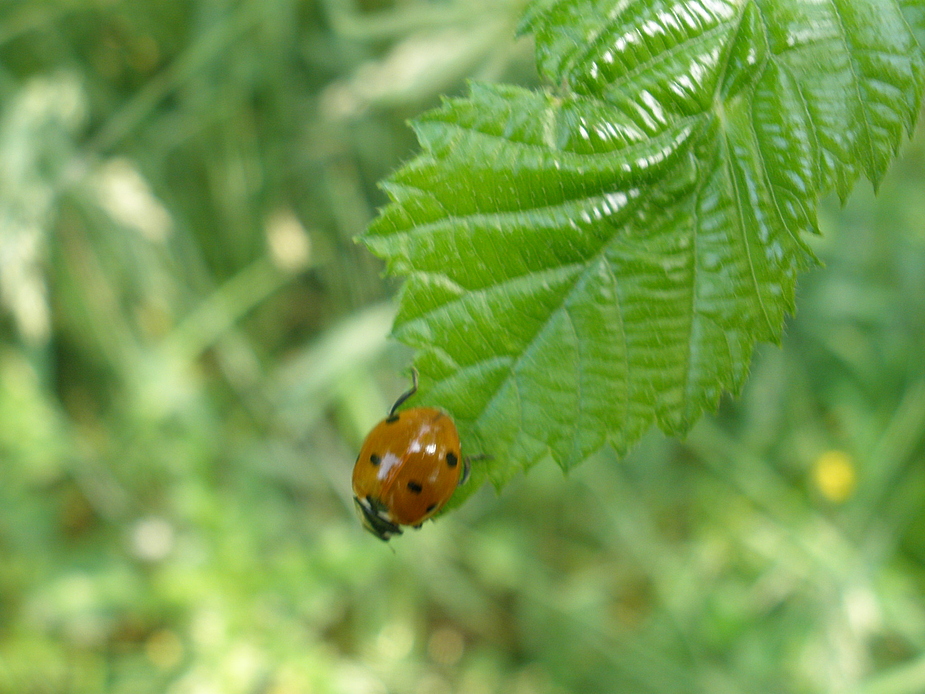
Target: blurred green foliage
[(192, 347)]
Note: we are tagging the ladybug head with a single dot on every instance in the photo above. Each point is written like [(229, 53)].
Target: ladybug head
[(375, 518)]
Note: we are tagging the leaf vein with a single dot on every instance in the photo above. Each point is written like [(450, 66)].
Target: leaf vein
[(856, 79), (743, 228), (661, 57)]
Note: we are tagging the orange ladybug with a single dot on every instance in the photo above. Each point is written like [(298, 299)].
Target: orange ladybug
[(408, 468)]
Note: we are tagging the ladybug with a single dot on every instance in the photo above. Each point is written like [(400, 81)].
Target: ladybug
[(408, 468)]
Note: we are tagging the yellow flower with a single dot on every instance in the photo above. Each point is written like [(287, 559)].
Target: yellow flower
[(835, 475)]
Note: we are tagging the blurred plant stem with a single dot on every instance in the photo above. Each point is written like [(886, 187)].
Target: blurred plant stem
[(208, 46), (222, 310)]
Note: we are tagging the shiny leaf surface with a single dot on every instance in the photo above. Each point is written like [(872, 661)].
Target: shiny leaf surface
[(588, 260)]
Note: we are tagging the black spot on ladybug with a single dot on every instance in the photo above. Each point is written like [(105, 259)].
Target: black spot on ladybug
[(451, 459), (375, 459), (415, 487), (391, 419), (431, 508)]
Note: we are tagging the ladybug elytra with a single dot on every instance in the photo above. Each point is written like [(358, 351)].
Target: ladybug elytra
[(408, 468)]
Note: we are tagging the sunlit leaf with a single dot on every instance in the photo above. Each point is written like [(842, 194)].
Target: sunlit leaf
[(590, 259)]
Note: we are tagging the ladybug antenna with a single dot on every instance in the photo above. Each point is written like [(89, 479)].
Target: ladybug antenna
[(404, 396)]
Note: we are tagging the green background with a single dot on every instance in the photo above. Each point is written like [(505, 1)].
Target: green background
[(192, 347)]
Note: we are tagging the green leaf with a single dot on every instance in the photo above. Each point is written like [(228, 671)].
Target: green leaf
[(588, 260)]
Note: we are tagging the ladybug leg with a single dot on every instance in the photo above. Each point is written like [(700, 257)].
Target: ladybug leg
[(467, 465), (404, 396)]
